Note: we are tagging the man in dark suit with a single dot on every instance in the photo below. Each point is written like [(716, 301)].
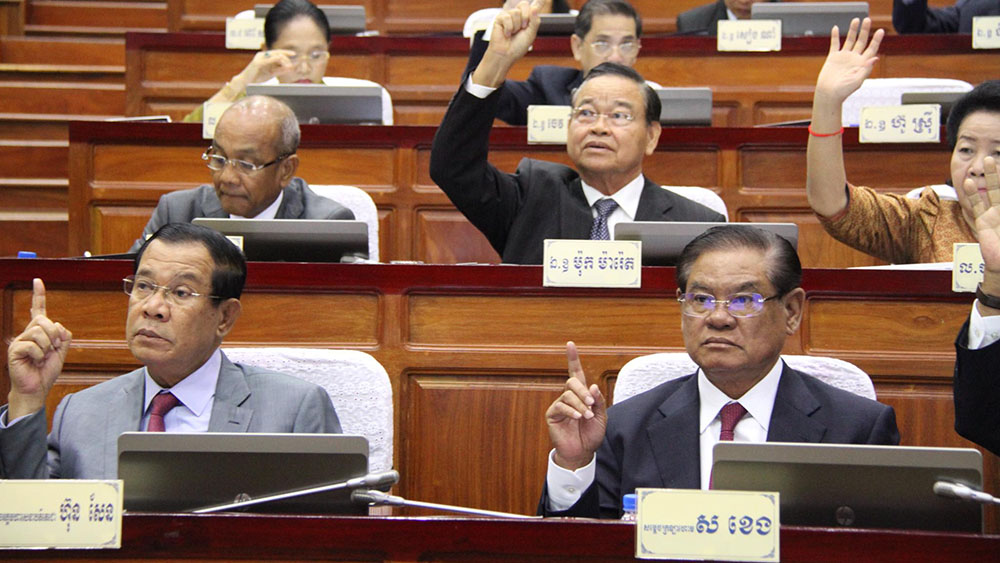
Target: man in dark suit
[(913, 16), (740, 298), (611, 131), (253, 165), (977, 348), (702, 20), (605, 30), (183, 300)]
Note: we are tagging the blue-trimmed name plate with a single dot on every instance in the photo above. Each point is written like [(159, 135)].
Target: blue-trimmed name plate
[(707, 525), (60, 513), (592, 263)]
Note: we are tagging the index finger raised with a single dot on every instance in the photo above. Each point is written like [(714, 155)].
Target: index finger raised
[(37, 298), (573, 361)]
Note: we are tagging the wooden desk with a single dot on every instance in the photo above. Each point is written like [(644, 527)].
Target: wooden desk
[(170, 73), (118, 171), (476, 353), (299, 538)]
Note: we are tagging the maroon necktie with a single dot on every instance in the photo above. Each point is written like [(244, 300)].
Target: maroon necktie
[(730, 415), (162, 403)]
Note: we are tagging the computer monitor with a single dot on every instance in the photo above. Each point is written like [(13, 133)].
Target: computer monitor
[(295, 240), (663, 241), (180, 472), (342, 19), (860, 486), (685, 106), (557, 24), (810, 18), (325, 104)]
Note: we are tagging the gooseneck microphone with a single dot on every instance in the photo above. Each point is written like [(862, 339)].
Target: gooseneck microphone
[(379, 480), (959, 491), (378, 498)]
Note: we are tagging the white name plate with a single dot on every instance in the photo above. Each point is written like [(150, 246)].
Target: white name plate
[(968, 267), (592, 263), (237, 240), (713, 525), (548, 124), (211, 112), (986, 32), (244, 33), (60, 513), (916, 123), (749, 35)]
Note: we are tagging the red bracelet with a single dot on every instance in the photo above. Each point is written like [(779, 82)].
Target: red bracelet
[(815, 134)]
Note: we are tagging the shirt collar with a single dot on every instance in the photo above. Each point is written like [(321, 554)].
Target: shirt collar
[(758, 401), (270, 212), (194, 391), (730, 15), (627, 197)]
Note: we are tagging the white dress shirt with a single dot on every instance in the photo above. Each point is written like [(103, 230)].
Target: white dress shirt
[(627, 199), (196, 394), (983, 331), (565, 487)]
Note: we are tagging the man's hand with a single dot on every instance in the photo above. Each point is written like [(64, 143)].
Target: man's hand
[(35, 358), (985, 209), (848, 66), (264, 66), (577, 419), (514, 31)]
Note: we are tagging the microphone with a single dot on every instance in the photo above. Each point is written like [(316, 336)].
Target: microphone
[(947, 489), (378, 498), (382, 479)]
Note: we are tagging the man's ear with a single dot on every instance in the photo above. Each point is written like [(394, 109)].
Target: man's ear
[(288, 168), (230, 309), (794, 304), (576, 45), (653, 131)]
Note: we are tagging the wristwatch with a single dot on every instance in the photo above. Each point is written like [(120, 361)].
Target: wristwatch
[(990, 301)]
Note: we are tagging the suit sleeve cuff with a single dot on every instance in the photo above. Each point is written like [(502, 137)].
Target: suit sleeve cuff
[(565, 487), (481, 92), (983, 331)]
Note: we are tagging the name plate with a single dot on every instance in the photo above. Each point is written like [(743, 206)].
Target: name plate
[(548, 124), (968, 267), (211, 112), (244, 33), (916, 123), (237, 240), (715, 525), (592, 263), (749, 35), (50, 513), (986, 32)]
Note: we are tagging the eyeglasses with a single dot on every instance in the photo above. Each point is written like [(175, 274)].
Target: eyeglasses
[(627, 48), (588, 116), (310, 58), (142, 288), (738, 305), (217, 162)]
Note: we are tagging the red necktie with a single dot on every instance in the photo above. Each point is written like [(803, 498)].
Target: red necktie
[(730, 415), (162, 403)]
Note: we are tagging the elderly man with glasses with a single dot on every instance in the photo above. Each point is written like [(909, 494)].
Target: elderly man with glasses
[(253, 164), (739, 294), (613, 125), (184, 298)]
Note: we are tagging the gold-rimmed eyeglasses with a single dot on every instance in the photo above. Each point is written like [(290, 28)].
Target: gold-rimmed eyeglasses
[(142, 288), (217, 162)]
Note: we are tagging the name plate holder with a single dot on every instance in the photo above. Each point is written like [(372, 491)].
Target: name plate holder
[(548, 125), (707, 525), (244, 33), (753, 36), (915, 123), (968, 267), (592, 263), (56, 513)]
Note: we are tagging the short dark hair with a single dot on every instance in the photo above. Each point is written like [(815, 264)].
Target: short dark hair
[(985, 97), (230, 273), (585, 19), (560, 6), (784, 270), (287, 10), (652, 101)]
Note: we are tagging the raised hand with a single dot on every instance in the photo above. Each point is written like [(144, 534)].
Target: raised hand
[(514, 31), (984, 202), (264, 66), (847, 66), (35, 358), (578, 418)]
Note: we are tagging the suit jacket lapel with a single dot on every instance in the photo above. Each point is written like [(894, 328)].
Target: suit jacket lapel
[(575, 218), (210, 204), (794, 405), (230, 412), (675, 437), (292, 204), (125, 416), (654, 204)]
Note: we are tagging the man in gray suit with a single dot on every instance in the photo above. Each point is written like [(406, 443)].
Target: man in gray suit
[(253, 164), (186, 385), (739, 294)]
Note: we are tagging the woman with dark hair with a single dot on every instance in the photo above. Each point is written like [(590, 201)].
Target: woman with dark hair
[(297, 43), (888, 226)]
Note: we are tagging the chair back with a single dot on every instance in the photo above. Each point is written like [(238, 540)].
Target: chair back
[(357, 384), (704, 196), (645, 372), (889, 92), (363, 206)]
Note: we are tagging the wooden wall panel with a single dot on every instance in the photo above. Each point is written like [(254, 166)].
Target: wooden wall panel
[(888, 327)]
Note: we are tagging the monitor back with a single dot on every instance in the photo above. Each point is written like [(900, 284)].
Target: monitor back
[(178, 472), (295, 240), (685, 106), (810, 18), (327, 104), (663, 241)]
